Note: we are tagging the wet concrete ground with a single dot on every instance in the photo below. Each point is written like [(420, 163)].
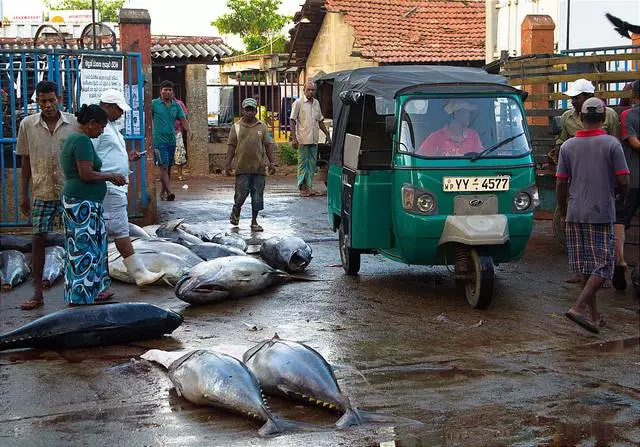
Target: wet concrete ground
[(515, 374)]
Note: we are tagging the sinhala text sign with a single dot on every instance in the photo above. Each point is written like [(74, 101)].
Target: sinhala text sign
[(97, 74)]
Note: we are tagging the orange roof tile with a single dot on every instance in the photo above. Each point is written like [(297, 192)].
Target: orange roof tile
[(396, 31)]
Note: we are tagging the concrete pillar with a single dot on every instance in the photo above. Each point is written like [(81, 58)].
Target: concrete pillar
[(196, 102), (635, 39), (135, 36), (537, 38)]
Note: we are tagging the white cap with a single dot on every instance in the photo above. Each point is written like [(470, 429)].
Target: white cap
[(453, 105), (112, 96), (579, 86)]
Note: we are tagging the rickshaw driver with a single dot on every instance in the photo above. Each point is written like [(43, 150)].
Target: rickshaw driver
[(455, 138)]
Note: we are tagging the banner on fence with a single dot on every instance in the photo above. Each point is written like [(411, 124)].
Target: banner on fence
[(99, 73)]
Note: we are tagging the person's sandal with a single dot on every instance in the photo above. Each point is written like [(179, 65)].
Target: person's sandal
[(32, 304), (171, 197), (233, 219), (104, 296), (256, 228)]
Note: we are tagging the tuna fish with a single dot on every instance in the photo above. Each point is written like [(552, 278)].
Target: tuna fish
[(155, 261), (211, 250), (158, 244), (295, 371), (54, 262), (14, 269), (228, 277), (55, 240), (96, 325), (171, 230), (288, 253), (136, 231), (230, 240), (14, 242), (218, 380)]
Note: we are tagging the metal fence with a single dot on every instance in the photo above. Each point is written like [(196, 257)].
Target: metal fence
[(20, 72), (275, 94)]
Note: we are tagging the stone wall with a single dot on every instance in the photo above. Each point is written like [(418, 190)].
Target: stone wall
[(196, 101)]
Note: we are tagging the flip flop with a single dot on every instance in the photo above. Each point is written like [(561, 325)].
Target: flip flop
[(104, 296), (233, 219), (171, 197), (619, 281), (582, 322), (256, 228), (32, 304)]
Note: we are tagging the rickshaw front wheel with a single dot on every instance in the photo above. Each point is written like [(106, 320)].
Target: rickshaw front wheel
[(480, 283), (350, 258)]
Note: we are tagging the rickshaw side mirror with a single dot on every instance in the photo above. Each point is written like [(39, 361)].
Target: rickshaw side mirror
[(351, 97), (556, 125), (524, 95), (390, 124)]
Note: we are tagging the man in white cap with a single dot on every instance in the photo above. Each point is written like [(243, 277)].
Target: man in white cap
[(112, 150), (580, 91)]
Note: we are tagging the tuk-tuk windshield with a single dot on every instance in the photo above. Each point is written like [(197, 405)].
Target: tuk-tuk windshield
[(457, 127)]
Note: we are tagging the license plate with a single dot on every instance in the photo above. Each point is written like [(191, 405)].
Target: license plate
[(454, 184)]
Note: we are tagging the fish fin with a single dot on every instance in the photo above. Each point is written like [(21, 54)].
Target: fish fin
[(355, 416), (277, 424), (303, 278), (253, 351), (336, 367)]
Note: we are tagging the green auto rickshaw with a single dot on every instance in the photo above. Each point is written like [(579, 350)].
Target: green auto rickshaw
[(430, 165)]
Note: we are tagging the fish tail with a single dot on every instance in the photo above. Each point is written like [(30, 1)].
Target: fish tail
[(271, 427), (350, 417)]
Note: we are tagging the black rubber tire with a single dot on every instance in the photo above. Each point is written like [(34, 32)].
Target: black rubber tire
[(479, 291), (559, 231), (350, 258)]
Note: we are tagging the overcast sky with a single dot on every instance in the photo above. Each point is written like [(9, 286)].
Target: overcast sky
[(589, 28)]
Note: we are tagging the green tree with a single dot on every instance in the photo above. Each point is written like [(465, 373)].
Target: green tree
[(108, 8), (257, 21)]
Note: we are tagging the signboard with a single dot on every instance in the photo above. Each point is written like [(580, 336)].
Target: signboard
[(97, 74), (132, 118), (81, 16)]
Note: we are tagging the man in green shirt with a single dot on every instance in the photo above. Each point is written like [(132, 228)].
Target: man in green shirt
[(166, 111), (249, 142)]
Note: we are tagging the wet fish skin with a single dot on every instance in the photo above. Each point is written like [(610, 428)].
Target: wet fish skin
[(136, 231), (15, 242), (155, 261), (158, 244), (209, 378), (295, 371), (211, 250), (14, 269), (95, 325), (54, 263), (172, 230), (288, 253), (228, 277), (230, 240)]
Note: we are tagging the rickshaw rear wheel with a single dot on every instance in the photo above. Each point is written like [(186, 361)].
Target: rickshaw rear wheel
[(350, 258), (479, 287)]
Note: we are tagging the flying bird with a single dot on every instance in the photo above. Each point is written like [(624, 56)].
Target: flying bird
[(623, 28)]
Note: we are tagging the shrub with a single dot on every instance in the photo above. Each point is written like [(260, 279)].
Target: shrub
[(288, 155)]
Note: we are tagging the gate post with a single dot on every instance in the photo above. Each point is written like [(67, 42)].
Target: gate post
[(135, 36), (537, 38)]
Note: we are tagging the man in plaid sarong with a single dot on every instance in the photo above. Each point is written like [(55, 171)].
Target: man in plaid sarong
[(596, 166)]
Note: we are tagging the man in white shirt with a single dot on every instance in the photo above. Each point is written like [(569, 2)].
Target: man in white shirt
[(306, 123), (112, 150)]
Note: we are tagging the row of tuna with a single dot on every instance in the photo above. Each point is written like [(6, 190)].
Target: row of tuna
[(204, 377), (203, 267)]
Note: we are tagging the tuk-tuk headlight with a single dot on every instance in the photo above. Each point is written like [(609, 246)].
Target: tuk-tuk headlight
[(522, 201), (425, 203)]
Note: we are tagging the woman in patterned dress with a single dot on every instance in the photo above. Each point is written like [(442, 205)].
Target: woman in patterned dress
[(86, 271)]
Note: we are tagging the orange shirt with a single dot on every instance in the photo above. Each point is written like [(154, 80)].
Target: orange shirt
[(443, 143)]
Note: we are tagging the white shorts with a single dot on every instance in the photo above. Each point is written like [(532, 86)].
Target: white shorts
[(115, 214)]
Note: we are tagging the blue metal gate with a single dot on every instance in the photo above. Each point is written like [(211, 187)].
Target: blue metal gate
[(20, 72)]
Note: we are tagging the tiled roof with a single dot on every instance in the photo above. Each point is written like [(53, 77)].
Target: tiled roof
[(188, 47), (397, 31)]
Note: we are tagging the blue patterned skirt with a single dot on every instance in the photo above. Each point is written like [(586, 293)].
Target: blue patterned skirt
[(86, 271)]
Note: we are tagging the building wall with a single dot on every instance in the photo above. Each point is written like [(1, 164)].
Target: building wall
[(196, 101), (332, 48)]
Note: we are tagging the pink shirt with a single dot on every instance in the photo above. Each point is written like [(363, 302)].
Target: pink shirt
[(184, 109), (443, 143)]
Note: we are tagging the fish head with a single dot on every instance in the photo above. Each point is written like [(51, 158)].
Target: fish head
[(200, 285), (300, 259), (174, 319)]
